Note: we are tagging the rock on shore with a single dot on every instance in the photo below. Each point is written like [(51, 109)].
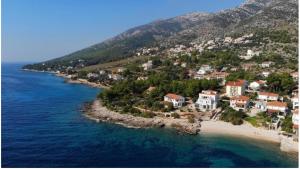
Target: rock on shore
[(100, 113)]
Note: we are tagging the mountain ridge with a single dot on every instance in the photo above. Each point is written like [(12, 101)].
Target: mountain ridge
[(184, 29)]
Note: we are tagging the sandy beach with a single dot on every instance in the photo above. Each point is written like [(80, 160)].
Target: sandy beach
[(245, 130)]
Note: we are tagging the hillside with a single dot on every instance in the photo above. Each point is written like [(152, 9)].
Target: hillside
[(251, 16)]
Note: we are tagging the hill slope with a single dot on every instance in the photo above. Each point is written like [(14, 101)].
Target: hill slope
[(183, 29)]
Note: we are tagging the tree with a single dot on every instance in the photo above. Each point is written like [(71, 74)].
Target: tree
[(233, 116), (175, 115), (287, 124)]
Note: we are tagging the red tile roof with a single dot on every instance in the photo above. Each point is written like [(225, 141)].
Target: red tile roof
[(240, 98), (174, 96), (236, 83), (277, 104)]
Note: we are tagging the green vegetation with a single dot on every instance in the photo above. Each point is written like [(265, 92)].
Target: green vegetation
[(280, 83), (124, 95), (233, 116), (253, 121), (287, 124)]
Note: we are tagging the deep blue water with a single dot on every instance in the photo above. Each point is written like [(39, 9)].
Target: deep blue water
[(42, 127)]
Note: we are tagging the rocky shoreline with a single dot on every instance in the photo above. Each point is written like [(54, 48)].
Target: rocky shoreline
[(99, 113)]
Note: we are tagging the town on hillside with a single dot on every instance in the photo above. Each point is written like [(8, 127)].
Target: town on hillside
[(234, 79)]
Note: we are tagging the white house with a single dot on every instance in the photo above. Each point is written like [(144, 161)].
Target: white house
[(92, 75), (261, 105), (265, 73), (239, 103), (295, 101), (115, 76), (148, 65), (266, 64), (276, 107), (235, 88), (250, 54), (267, 96), (204, 69), (256, 85), (175, 99), (207, 100)]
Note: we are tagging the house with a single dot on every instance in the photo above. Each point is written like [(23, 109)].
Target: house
[(295, 76), (204, 69), (256, 85), (207, 100), (261, 105), (235, 88), (148, 65), (219, 76), (266, 64), (248, 66), (265, 73), (295, 120), (102, 72), (250, 54), (183, 64), (277, 107), (267, 96), (120, 70), (295, 101), (92, 75), (239, 103), (115, 76), (175, 99)]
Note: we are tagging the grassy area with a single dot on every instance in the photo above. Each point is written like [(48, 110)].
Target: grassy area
[(116, 64), (252, 121)]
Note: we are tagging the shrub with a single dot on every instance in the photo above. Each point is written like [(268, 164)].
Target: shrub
[(175, 115)]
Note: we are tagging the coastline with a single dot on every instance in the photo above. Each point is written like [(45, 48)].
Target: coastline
[(98, 112)]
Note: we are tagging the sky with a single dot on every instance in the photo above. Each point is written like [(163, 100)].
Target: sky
[(39, 30)]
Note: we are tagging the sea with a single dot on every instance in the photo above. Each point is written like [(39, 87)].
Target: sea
[(42, 126)]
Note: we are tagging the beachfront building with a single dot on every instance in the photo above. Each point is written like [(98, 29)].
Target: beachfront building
[(256, 85), (175, 99), (277, 107), (92, 75), (239, 103), (207, 100), (295, 101), (267, 96), (235, 88), (295, 119)]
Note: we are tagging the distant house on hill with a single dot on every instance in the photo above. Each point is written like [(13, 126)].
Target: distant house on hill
[(256, 85), (175, 99)]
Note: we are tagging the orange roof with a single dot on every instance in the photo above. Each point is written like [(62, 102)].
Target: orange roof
[(268, 94), (174, 96), (277, 104), (236, 83), (240, 98), (209, 92)]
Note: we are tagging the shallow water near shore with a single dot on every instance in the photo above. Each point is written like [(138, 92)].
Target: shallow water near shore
[(43, 127)]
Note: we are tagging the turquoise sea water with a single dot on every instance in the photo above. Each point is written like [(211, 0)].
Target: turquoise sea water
[(42, 127)]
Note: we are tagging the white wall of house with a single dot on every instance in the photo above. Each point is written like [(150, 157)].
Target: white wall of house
[(207, 102), (235, 90), (295, 102), (235, 104), (176, 103), (267, 97)]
